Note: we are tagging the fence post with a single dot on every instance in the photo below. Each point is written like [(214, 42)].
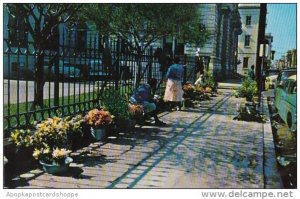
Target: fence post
[(56, 79), (196, 69), (117, 64), (184, 69), (150, 64)]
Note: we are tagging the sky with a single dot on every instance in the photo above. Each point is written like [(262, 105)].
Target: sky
[(281, 22)]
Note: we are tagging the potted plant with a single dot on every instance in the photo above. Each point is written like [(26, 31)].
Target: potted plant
[(79, 131), (248, 89), (22, 148), (56, 162), (52, 135), (188, 91), (99, 120), (117, 104), (136, 113), (210, 81)]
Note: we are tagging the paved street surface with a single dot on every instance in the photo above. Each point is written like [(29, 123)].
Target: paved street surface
[(65, 89), (202, 147)]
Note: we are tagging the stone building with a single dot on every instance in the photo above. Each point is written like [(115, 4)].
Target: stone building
[(291, 58), (268, 59), (248, 40), (219, 53), (222, 21)]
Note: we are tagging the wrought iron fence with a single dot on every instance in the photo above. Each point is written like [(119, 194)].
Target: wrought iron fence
[(73, 77)]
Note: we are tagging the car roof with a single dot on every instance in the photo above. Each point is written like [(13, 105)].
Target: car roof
[(293, 77), (289, 69), (273, 70)]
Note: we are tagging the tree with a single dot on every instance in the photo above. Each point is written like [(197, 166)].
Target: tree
[(41, 22), (139, 25), (142, 24)]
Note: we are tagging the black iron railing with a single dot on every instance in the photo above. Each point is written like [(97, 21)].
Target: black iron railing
[(73, 78)]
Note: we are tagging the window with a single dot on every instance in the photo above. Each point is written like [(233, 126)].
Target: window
[(17, 31), (248, 20), (247, 40), (245, 62)]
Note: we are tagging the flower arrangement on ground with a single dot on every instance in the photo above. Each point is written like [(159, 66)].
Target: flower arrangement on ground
[(21, 138), (210, 81), (98, 118), (200, 93), (50, 135), (188, 90), (59, 155), (75, 124), (136, 114), (136, 110), (248, 89), (21, 150), (208, 89), (116, 102)]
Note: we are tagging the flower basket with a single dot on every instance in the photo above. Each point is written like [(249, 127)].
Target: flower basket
[(98, 120), (56, 168), (20, 153), (136, 111), (188, 91)]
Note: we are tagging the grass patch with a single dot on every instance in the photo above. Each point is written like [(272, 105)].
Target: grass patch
[(23, 116)]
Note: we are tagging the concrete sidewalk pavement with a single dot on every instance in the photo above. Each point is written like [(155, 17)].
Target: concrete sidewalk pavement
[(202, 147)]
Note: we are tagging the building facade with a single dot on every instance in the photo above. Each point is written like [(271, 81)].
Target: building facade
[(218, 54), (19, 49), (222, 21), (248, 40), (268, 63), (291, 58)]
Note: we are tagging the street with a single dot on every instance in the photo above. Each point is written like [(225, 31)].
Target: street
[(26, 89), (201, 147)]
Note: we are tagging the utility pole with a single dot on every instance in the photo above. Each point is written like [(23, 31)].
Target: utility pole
[(261, 40)]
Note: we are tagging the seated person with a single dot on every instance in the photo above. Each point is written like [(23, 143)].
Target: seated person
[(200, 81), (143, 96)]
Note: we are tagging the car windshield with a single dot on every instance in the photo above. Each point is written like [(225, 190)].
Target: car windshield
[(272, 73), (287, 74)]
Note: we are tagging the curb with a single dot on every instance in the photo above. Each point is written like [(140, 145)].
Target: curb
[(272, 178)]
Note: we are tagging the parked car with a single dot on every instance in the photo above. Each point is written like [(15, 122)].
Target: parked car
[(286, 102), (283, 75), (66, 71), (271, 77), (69, 71), (97, 71)]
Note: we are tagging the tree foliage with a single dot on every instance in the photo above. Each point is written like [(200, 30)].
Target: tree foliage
[(42, 21), (142, 24)]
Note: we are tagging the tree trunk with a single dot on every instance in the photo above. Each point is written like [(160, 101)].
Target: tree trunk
[(39, 80), (139, 65)]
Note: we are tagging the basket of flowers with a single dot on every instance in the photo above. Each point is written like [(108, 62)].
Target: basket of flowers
[(51, 145), (99, 120), (60, 160), (136, 113), (188, 91)]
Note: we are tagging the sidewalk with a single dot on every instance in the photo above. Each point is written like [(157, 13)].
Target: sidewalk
[(230, 84), (202, 147)]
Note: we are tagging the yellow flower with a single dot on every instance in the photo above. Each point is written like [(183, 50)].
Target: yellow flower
[(36, 153), (60, 153), (46, 150)]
